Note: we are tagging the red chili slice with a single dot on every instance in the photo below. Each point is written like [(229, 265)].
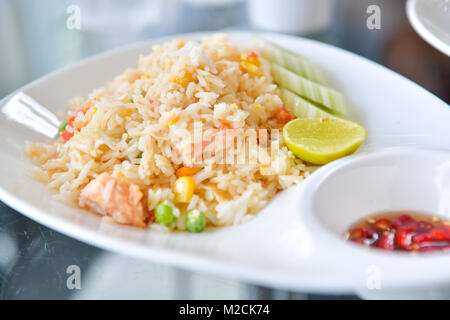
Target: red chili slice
[(411, 226), (386, 241), (403, 233), (403, 239), (446, 229), (425, 226), (423, 237), (439, 235), (400, 221)]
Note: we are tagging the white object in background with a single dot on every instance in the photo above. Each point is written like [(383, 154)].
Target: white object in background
[(431, 20), (104, 16), (290, 16)]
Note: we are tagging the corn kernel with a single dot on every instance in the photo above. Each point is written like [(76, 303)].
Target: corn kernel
[(256, 62), (181, 43), (120, 175), (184, 189), (250, 68), (251, 58), (187, 171), (173, 121), (256, 106), (145, 76), (179, 80), (127, 112), (188, 76)]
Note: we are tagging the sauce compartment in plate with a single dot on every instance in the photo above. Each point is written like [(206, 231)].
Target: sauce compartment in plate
[(391, 180), (402, 231)]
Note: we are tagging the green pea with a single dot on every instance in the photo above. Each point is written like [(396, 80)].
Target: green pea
[(140, 154), (195, 221), (164, 214), (63, 126)]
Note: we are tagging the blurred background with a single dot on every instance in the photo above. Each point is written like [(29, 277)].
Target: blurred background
[(38, 37)]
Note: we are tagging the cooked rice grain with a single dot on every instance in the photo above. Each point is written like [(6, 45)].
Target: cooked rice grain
[(137, 130)]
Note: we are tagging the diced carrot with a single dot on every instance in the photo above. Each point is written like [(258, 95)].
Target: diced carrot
[(67, 135), (253, 55), (282, 115), (187, 171), (224, 126), (70, 121)]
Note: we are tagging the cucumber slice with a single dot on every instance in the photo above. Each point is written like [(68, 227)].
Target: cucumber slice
[(300, 107), (310, 90), (290, 60)]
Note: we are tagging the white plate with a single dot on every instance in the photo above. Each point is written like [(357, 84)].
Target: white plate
[(431, 20), (278, 248)]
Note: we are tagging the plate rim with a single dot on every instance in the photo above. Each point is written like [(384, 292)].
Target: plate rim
[(159, 255)]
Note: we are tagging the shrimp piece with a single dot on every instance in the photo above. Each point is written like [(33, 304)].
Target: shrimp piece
[(116, 198)]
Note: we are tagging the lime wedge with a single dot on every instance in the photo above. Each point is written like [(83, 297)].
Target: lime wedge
[(320, 141)]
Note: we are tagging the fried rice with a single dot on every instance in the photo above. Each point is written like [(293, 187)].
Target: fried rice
[(134, 133)]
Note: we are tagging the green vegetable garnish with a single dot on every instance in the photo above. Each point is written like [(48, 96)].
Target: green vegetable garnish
[(164, 214), (140, 154), (290, 60), (195, 221), (62, 127), (327, 98)]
